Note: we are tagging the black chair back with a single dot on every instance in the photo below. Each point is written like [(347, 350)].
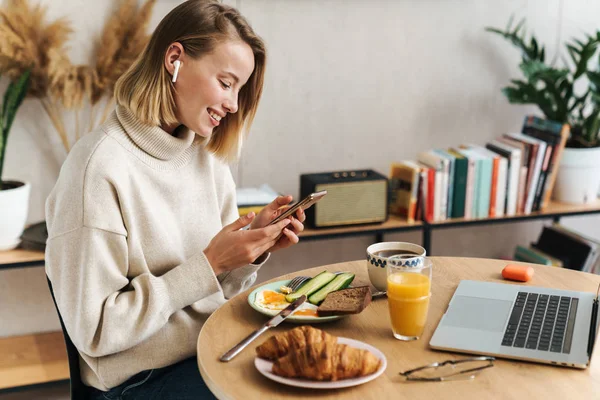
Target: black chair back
[(79, 391)]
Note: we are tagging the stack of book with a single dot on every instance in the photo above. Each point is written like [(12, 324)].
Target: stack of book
[(562, 247), (34, 237), (512, 174), (254, 199)]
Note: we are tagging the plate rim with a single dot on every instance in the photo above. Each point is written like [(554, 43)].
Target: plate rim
[(292, 318), (312, 384)]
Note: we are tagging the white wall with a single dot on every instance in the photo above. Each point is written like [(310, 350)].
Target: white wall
[(350, 84)]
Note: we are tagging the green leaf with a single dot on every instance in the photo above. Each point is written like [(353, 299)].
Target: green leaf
[(512, 18), (13, 97), (594, 77), (520, 25), (516, 36), (591, 126), (534, 46), (581, 55)]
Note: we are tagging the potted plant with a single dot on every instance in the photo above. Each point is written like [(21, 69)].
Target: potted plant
[(14, 195), (553, 90)]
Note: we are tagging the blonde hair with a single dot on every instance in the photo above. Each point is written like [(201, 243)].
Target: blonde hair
[(199, 26)]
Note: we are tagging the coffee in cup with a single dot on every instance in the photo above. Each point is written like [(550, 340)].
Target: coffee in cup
[(402, 254)]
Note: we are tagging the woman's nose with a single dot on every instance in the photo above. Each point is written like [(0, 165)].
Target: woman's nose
[(231, 104)]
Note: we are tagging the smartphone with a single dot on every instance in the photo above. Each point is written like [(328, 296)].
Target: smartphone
[(304, 203)]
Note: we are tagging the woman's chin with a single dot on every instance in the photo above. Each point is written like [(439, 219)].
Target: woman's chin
[(203, 131)]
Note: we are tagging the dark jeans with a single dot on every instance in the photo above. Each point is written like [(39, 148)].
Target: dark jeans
[(181, 381)]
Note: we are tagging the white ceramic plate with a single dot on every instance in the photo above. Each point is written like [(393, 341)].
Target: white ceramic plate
[(265, 367), (274, 286)]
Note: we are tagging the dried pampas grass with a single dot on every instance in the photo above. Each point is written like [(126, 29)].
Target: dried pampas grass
[(26, 39)]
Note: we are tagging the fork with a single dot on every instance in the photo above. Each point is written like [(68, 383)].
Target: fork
[(296, 282)]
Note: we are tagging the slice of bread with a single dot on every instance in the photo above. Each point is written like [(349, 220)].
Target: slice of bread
[(346, 301)]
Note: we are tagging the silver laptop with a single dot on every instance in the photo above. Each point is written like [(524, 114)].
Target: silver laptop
[(520, 322)]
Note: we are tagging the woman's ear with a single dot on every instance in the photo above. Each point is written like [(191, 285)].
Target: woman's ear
[(174, 53)]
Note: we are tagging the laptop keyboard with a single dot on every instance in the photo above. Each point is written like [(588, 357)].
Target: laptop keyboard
[(541, 322)]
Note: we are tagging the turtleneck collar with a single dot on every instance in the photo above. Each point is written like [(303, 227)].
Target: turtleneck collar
[(154, 140)]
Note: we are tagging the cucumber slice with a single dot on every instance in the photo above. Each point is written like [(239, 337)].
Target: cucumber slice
[(311, 286), (340, 282)]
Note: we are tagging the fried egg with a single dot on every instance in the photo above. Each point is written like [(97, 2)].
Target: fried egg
[(274, 302), (271, 300)]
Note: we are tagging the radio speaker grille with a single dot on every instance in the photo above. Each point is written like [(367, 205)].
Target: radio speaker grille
[(351, 203)]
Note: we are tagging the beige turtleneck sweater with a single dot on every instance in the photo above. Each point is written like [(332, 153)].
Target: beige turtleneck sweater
[(128, 220)]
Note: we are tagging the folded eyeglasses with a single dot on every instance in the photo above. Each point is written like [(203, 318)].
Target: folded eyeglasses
[(449, 370)]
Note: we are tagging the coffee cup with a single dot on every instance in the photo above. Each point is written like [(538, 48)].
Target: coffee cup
[(400, 254)]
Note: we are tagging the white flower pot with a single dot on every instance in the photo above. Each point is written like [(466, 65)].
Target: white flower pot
[(578, 178), (14, 205)]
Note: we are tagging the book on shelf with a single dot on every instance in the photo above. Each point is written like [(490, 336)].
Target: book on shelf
[(480, 205), (528, 255), (537, 153), (494, 182), (592, 260), (404, 182), (513, 170), (421, 209), (575, 251), (471, 182), (499, 183), (462, 191), (441, 165), (555, 135), (432, 180), (522, 174), (451, 176), (555, 262)]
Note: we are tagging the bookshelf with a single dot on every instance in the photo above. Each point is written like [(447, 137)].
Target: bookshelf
[(553, 211), (20, 258), (42, 369)]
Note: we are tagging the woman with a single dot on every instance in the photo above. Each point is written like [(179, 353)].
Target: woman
[(144, 236)]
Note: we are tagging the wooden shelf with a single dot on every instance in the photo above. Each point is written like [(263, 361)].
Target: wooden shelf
[(33, 360), (554, 209), (393, 223), (20, 258)]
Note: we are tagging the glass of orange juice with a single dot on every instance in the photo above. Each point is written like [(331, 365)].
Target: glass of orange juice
[(408, 293)]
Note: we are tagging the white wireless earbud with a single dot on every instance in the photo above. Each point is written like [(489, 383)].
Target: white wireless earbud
[(177, 65)]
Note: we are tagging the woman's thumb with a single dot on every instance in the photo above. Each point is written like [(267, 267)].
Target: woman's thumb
[(241, 221)]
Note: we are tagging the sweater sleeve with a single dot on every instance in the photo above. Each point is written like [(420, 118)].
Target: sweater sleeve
[(239, 279), (104, 311)]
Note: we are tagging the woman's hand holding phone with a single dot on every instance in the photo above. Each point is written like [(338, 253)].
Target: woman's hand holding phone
[(289, 234), (233, 247)]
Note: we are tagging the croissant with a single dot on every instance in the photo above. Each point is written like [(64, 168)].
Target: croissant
[(326, 361), (279, 345)]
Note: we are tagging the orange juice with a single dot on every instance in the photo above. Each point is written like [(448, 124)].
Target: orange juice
[(408, 298)]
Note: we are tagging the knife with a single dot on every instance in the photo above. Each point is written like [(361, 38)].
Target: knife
[(276, 320)]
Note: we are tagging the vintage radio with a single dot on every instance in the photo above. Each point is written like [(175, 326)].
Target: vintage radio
[(353, 198)]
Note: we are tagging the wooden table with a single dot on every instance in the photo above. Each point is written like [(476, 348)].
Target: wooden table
[(239, 379)]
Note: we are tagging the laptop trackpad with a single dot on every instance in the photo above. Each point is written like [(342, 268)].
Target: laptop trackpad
[(478, 313)]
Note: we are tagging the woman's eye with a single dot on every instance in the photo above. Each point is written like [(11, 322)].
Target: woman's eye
[(225, 85)]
